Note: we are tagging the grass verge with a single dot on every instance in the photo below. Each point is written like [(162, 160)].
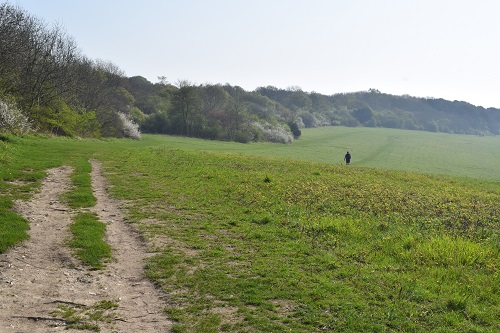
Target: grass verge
[(12, 227)]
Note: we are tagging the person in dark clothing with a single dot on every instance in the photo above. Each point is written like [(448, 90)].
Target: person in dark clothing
[(347, 158)]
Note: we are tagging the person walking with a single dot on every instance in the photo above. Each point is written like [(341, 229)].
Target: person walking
[(347, 158)]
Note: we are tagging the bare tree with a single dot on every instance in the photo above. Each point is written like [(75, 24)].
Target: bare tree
[(43, 68), (15, 26)]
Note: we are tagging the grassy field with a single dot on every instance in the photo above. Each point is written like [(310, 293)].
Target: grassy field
[(275, 238), (436, 153)]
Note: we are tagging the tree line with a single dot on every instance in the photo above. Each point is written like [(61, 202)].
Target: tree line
[(373, 108), (209, 111), (225, 112), (48, 85)]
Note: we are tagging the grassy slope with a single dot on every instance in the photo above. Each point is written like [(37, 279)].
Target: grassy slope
[(320, 246), (436, 153)]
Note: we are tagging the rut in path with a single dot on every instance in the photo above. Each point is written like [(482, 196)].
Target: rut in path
[(41, 273)]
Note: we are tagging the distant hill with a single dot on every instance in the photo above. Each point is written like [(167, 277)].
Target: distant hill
[(376, 109), (230, 113)]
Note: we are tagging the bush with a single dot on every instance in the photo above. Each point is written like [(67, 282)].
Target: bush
[(12, 120), (129, 128), (274, 134), (295, 130)]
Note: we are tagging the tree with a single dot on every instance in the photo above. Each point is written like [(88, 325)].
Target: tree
[(54, 85), (46, 66), (298, 100), (212, 98), (364, 115), (308, 119), (12, 21), (236, 118), (186, 104)]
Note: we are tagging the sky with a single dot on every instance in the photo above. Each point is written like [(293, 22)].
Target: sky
[(425, 48)]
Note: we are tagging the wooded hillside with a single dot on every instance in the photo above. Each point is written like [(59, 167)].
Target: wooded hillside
[(48, 85)]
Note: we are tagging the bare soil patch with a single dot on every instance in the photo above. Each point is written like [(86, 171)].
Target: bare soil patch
[(41, 273)]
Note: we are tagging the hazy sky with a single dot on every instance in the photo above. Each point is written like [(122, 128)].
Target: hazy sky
[(424, 48)]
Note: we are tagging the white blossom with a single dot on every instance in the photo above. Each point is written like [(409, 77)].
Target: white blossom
[(13, 120), (276, 133), (130, 128)]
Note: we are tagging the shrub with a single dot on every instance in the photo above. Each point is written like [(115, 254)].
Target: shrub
[(129, 128), (295, 130), (274, 134), (12, 120)]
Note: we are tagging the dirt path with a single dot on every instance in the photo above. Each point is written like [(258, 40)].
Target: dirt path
[(41, 273)]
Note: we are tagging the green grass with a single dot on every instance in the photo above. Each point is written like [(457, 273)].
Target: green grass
[(13, 228), (22, 167), (88, 232), (316, 247), (81, 193), (267, 237), (24, 161), (434, 153), (88, 240)]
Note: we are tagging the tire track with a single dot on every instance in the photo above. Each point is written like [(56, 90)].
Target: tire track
[(40, 273)]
